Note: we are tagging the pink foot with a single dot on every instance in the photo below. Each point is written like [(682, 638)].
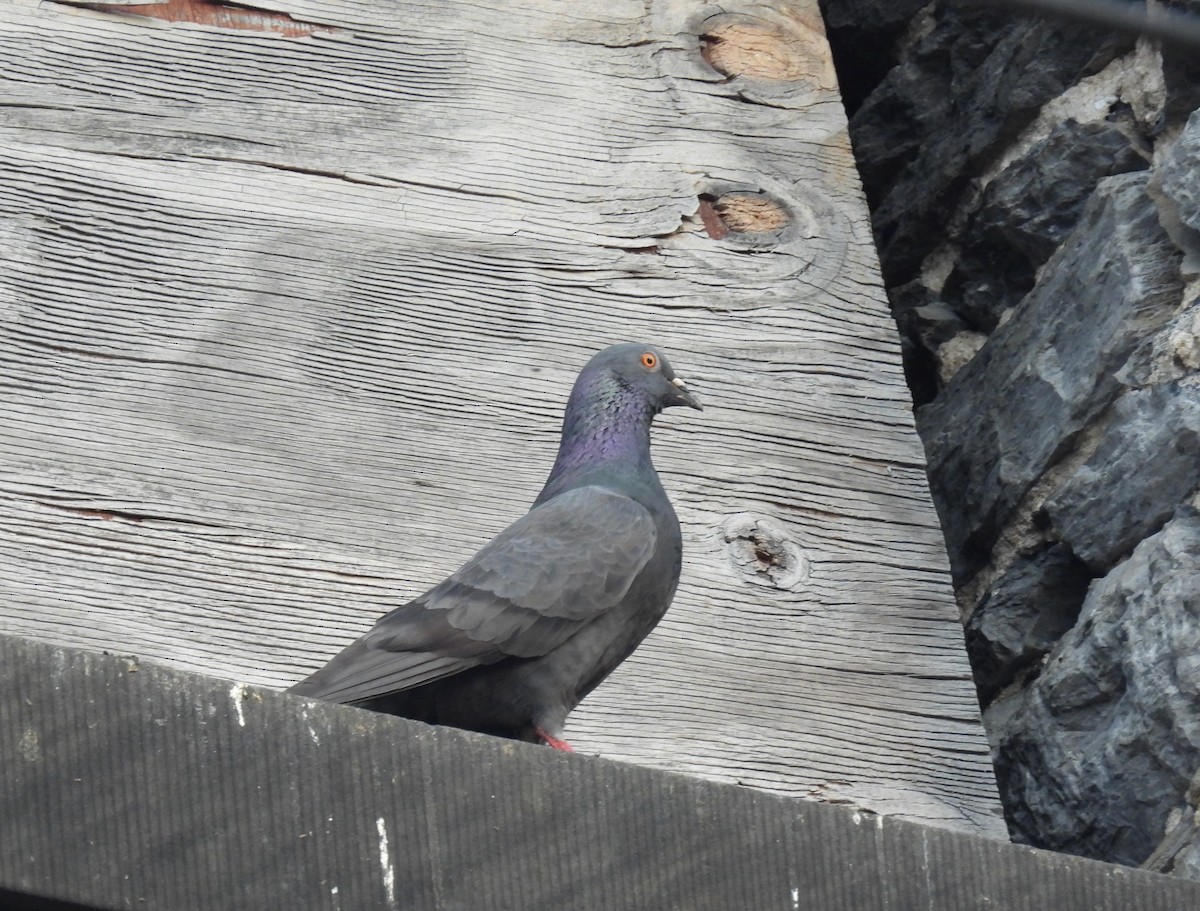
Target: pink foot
[(551, 741)]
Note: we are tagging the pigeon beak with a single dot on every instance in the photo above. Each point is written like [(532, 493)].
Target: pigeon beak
[(684, 396)]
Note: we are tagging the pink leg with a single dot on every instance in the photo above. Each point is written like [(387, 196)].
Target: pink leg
[(551, 741)]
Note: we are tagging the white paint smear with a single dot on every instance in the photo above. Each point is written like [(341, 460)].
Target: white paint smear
[(237, 694), (385, 862)]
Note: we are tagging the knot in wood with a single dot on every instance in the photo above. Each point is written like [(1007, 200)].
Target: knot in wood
[(758, 49), (763, 551), (742, 212)]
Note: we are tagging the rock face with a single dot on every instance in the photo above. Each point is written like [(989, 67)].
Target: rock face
[(1150, 451), (1024, 615), (1098, 749), (986, 72), (1050, 370), (1027, 211), (1035, 203)]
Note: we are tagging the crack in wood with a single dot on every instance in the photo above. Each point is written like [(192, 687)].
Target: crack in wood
[(211, 13), (128, 515), (364, 180)]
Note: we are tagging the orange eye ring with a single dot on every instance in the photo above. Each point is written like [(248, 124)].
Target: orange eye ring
[(649, 360)]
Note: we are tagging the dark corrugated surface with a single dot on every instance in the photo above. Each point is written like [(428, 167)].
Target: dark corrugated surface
[(139, 787)]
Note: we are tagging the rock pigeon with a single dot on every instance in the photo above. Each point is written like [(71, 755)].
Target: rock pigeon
[(511, 642)]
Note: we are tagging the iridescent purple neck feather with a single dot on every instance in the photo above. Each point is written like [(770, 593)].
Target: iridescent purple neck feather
[(606, 430)]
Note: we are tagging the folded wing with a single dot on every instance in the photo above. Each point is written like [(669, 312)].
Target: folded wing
[(536, 584)]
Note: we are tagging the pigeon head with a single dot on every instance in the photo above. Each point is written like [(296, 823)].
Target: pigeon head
[(632, 377)]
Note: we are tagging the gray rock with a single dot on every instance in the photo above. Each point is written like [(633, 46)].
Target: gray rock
[(1178, 854), (1023, 616), (1094, 754), (1172, 353), (988, 279), (1147, 463), (1185, 862), (1181, 72), (890, 126), (1179, 171), (922, 316), (965, 89), (925, 324), (1036, 201), (1027, 211), (1016, 408)]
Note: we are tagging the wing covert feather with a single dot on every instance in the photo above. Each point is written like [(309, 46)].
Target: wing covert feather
[(526, 592)]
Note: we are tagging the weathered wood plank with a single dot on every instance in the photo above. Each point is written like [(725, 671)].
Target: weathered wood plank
[(133, 786), (290, 321)]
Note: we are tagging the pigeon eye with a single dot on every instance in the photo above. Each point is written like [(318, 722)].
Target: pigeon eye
[(649, 360)]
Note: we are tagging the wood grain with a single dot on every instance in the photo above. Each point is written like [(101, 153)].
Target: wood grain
[(289, 321)]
